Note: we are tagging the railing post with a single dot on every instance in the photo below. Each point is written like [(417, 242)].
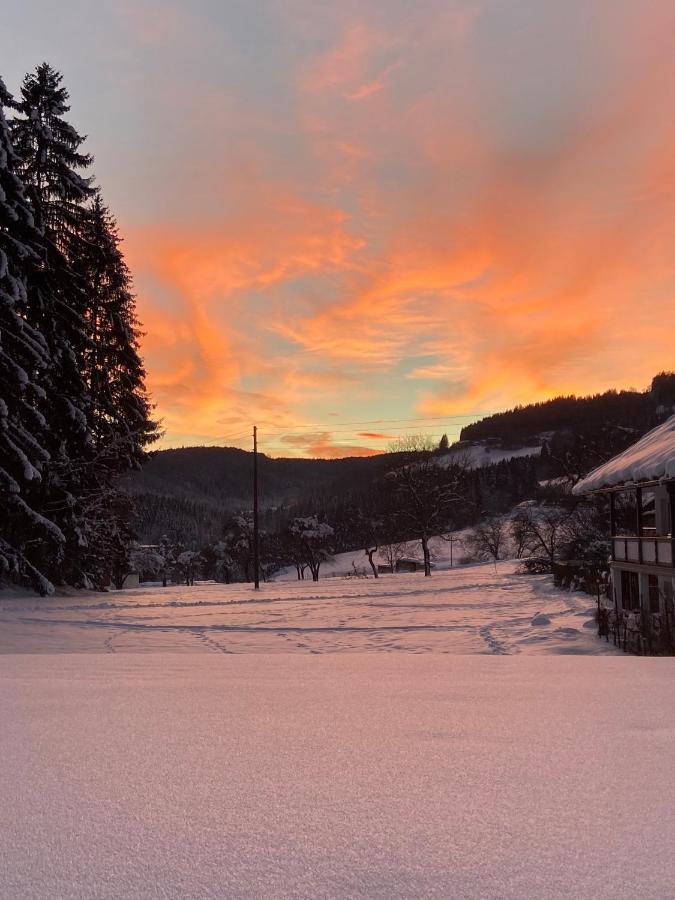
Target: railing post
[(638, 497)]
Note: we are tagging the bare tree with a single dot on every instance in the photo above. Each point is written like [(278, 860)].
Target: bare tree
[(370, 552), (426, 488), (372, 530), (521, 534), (393, 552), (489, 538), (543, 529)]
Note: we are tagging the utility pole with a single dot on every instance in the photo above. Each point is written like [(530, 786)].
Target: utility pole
[(256, 555)]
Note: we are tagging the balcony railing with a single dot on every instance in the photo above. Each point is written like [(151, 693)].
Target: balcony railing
[(648, 550)]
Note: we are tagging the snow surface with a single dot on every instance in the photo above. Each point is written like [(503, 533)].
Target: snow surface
[(357, 561), (475, 456), (651, 458), (471, 757), (475, 609), (354, 775)]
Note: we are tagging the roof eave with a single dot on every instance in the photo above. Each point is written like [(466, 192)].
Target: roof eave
[(629, 485)]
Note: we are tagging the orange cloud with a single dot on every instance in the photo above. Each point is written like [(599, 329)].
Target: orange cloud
[(351, 63), (531, 280), (201, 333), (321, 445), (377, 436), (440, 209)]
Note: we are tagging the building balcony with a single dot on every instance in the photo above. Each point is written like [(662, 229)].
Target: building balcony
[(648, 550)]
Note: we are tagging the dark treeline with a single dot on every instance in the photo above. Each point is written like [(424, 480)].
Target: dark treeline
[(225, 472), (74, 413), (636, 410), (192, 491)]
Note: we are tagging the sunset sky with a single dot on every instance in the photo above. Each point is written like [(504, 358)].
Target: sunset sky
[(376, 211)]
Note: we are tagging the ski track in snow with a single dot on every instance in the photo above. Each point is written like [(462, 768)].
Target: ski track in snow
[(475, 609)]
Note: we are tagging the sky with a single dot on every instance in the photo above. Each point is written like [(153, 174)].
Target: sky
[(350, 221)]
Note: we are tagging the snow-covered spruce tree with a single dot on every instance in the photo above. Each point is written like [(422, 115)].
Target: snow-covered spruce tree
[(25, 534), (51, 158), (119, 411), (50, 165)]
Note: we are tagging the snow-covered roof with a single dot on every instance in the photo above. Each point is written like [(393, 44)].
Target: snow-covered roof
[(411, 559), (652, 458)]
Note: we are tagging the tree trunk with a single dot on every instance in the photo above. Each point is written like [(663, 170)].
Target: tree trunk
[(370, 554), (427, 558)]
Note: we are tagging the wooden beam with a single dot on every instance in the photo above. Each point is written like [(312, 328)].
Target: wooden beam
[(670, 489)]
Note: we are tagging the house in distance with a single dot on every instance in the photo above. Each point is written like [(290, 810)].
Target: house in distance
[(640, 483)]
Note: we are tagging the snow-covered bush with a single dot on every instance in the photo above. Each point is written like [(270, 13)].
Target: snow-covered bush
[(311, 540)]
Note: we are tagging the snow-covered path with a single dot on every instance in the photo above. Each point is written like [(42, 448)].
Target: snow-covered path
[(477, 609), (345, 775)]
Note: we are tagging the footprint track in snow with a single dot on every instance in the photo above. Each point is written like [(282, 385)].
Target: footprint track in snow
[(495, 645), (209, 643)]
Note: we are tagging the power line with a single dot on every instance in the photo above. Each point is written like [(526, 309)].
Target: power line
[(328, 426), (328, 430), (232, 437)]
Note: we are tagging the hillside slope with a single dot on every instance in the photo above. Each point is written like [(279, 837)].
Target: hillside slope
[(193, 490)]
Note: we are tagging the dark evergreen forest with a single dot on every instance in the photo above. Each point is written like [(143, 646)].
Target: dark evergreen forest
[(74, 412)]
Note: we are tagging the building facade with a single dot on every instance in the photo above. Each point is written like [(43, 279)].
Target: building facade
[(640, 484)]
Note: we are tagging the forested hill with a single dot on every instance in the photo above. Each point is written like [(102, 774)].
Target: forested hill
[(637, 411), (225, 473), (193, 489)]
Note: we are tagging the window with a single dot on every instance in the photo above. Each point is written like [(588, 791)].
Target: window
[(625, 513), (648, 513), (630, 590), (654, 594)]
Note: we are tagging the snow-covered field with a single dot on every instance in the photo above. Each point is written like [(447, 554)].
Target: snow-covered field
[(355, 775), (475, 758), (475, 609)]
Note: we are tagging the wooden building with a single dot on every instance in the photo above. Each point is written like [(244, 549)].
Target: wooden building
[(405, 564), (640, 484)]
